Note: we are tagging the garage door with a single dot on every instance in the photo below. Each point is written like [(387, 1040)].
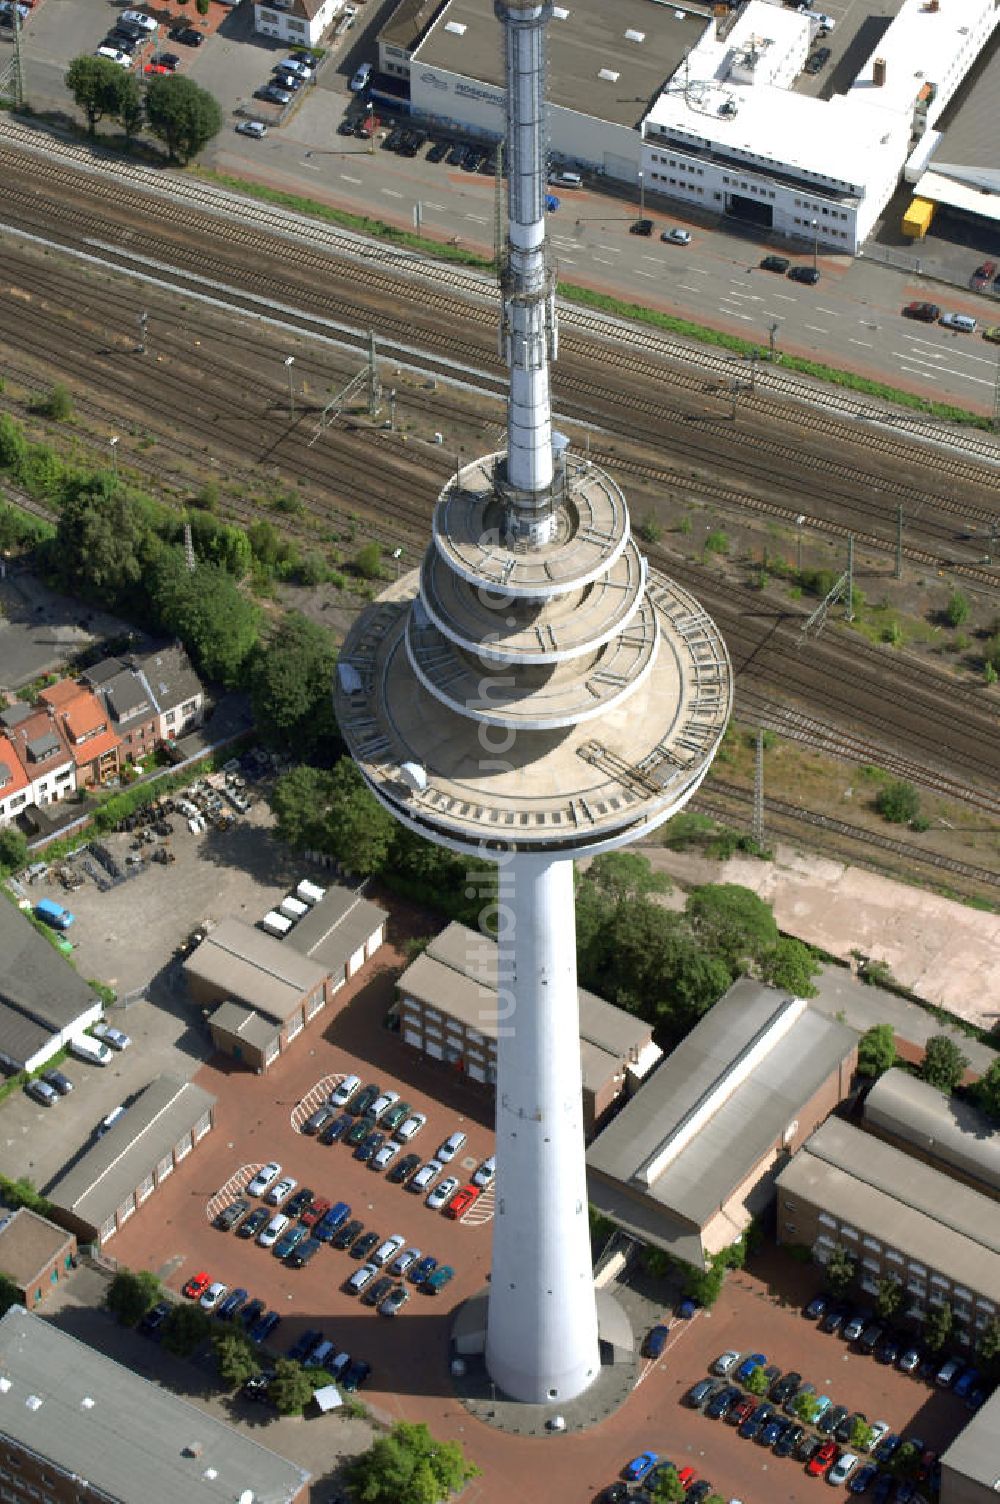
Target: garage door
[(356, 962), (182, 1148), (202, 1126), (164, 1168)]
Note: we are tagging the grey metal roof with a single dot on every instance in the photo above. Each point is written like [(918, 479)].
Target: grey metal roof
[(409, 21), (750, 1117), (335, 928), (130, 1439), (100, 673), (457, 974), (40, 993), (43, 746), (13, 715), (946, 1128), (975, 1453), (27, 1243), (592, 37), (169, 674), (902, 1202), (233, 1018), (255, 968), (125, 696), (97, 1183)]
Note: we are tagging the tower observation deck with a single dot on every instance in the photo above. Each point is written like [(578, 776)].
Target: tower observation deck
[(534, 693)]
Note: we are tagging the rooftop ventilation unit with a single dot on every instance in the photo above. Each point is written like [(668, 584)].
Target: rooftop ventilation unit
[(635, 36), (609, 75), (560, 13), (457, 27), (34, 1402), (86, 1403)]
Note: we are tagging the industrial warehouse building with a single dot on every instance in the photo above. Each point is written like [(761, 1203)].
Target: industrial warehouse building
[(112, 1179), (448, 1009), (970, 1468), (263, 991), (943, 1131), (718, 113), (74, 1425), (693, 1157), (35, 1255), (896, 1216), (43, 1002)]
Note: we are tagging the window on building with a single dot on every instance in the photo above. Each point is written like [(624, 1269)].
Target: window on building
[(872, 1243), (825, 1220), (850, 1232), (893, 1256)]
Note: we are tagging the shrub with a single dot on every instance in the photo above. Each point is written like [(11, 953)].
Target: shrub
[(898, 802), (369, 561), (957, 610), (717, 542), (57, 403)]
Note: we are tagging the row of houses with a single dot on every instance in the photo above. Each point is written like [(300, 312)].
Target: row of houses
[(81, 732)]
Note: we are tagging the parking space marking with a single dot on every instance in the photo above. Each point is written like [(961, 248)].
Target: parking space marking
[(479, 219), (313, 1099), (816, 329), (234, 1186), (429, 205), (482, 1209), (614, 248), (785, 297), (391, 192), (640, 273), (345, 179), (866, 342), (831, 311), (686, 287), (603, 261)]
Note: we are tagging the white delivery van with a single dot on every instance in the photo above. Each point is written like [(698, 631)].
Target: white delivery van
[(293, 908), (274, 923), (309, 892), (92, 1050)]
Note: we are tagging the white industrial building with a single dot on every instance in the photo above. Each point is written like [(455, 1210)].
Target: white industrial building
[(300, 23), (713, 113)]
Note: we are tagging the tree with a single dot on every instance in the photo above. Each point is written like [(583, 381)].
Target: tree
[(732, 923), (185, 1329), (985, 1092), (861, 1435), (876, 1050), (369, 561), (102, 541), (409, 1467), (791, 966), (705, 1285), (235, 1357), (668, 1488), (906, 1460), (889, 1296), (129, 105), (758, 1382), (840, 1271), (806, 1407), (957, 610), (10, 1295), (988, 1349), (359, 831), (131, 1293), (291, 688), (299, 803), (56, 403), (898, 802), (937, 1326), (94, 83), (625, 876), (181, 115), (206, 609), (291, 1388), (943, 1064), (13, 849)]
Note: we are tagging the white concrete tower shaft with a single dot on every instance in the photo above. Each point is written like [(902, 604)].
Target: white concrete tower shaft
[(528, 335), (541, 1340)]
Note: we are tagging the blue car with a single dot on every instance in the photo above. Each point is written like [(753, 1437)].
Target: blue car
[(656, 1341), (888, 1447), (967, 1380), (746, 1368), (228, 1308), (817, 1307), (687, 1308), (640, 1466), (422, 1269), (863, 1478), (334, 1132), (301, 1349), (748, 1430), (331, 1221), (771, 1433), (262, 1329)]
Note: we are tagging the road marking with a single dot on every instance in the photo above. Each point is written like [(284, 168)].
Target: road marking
[(391, 192), (686, 286), (816, 329), (657, 259), (313, 1099), (613, 248), (831, 311), (428, 205), (769, 313), (311, 166), (345, 179), (942, 370), (603, 261), (565, 261), (698, 271), (640, 273), (234, 1186), (914, 372), (784, 297), (745, 297), (866, 342), (481, 1210), (935, 349), (731, 313), (480, 219)]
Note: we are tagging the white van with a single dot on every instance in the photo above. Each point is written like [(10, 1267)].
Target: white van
[(566, 179), (272, 1232), (92, 1050), (274, 923), (109, 1122)]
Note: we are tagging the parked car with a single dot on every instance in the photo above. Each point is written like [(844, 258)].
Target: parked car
[(422, 1269), (740, 1411), (394, 1116), (299, 1203), (362, 78), (369, 1146), (823, 1459), (459, 1204), (139, 19), (317, 1120), (639, 1466), (855, 1325), (808, 1447), (359, 1131), (641, 227), (233, 1304), (779, 264), (262, 1329), (394, 1301), (383, 1157), (992, 334), (759, 1417), (377, 1290), (789, 1440), (771, 1432), (280, 1189), (451, 1146), (114, 1037), (290, 1240), (361, 1277), (831, 1418), (273, 1231), (962, 323), (42, 1092), (888, 1447), (457, 154), (655, 1341), (750, 1362), (251, 1226), (265, 1177), (361, 1102), (888, 1348), (115, 55), (304, 1344), (315, 1211), (676, 237), (924, 313), (347, 1233), (725, 1363), (388, 1249), (62, 1084), (410, 1126), (231, 1214), (985, 271), (817, 1307), (355, 1376), (485, 1173), (424, 1177), (336, 1129), (871, 1337), (343, 1093), (804, 1388), (948, 1373), (196, 1286), (782, 1389), (720, 1403), (842, 1468), (817, 61), (272, 94), (150, 1323), (864, 1478), (966, 1382), (807, 274), (436, 1281), (186, 35), (305, 1250), (364, 1245), (403, 1168), (252, 1312), (835, 1318), (845, 1428), (405, 1260)]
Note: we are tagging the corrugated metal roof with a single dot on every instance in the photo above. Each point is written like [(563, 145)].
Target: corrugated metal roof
[(95, 1186), (975, 1453), (748, 1120), (233, 1018), (946, 1128), (40, 994), (335, 928), (130, 1439), (902, 1202), (256, 969)]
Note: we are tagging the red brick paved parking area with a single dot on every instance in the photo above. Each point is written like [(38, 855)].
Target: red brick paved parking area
[(409, 1355)]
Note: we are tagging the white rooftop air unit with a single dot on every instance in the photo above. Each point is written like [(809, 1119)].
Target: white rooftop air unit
[(457, 28), (414, 775), (635, 36), (609, 75), (560, 13)]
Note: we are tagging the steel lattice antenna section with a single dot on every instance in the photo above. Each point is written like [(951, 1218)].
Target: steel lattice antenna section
[(531, 694)]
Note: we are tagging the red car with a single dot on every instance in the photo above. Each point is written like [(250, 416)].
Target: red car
[(685, 1477), (461, 1201), (984, 271), (313, 1213), (824, 1458), (927, 313), (157, 68), (197, 1285)]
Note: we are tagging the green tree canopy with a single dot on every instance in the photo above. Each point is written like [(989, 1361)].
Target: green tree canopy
[(131, 1293), (299, 800), (937, 1326), (943, 1064), (409, 1467), (985, 1092), (806, 1407), (758, 1382), (889, 1297), (208, 611), (13, 849), (898, 802), (861, 1434), (236, 1358), (182, 115), (840, 1271), (98, 86), (668, 1488), (291, 688), (185, 1329), (877, 1050), (732, 923), (988, 1349), (103, 541), (789, 965), (625, 876), (957, 609), (291, 1388)]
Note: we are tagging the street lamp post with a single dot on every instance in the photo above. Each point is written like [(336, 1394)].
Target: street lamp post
[(113, 445), (397, 554), (815, 225), (642, 196), (771, 336), (800, 519), (289, 362)]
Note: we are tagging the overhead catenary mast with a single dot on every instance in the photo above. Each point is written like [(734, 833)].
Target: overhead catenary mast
[(532, 694)]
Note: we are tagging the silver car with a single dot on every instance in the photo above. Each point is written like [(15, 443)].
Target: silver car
[(425, 1176)]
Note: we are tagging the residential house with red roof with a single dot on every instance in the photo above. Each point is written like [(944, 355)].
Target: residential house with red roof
[(40, 745), (15, 789), (95, 744)]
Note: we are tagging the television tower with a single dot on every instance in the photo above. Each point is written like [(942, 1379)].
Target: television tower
[(534, 693)]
